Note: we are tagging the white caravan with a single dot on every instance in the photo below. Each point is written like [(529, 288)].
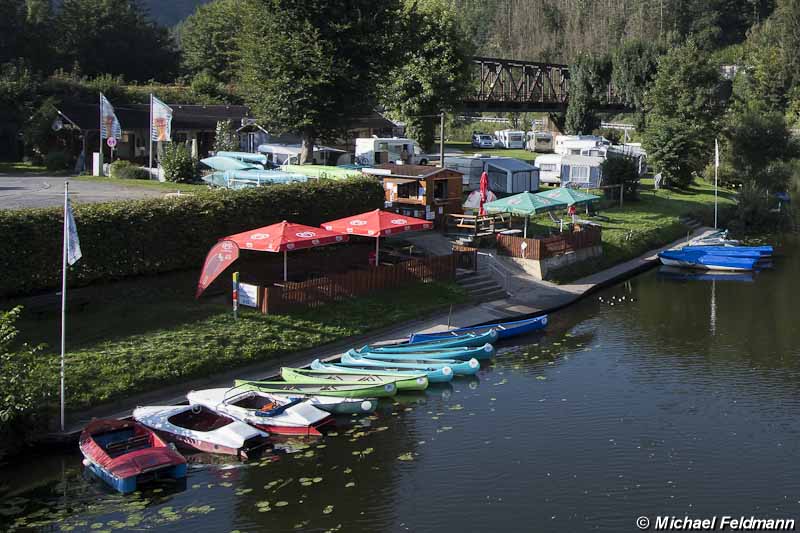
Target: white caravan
[(289, 154), (573, 144), (549, 166), (510, 138), (539, 141), (378, 150)]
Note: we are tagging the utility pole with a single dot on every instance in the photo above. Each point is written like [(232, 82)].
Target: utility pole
[(441, 139)]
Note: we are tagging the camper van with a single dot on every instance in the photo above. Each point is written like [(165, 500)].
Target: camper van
[(378, 150), (573, 144), (549, 166), (510, 138), (539, 141), (289, 154), (506, 174)]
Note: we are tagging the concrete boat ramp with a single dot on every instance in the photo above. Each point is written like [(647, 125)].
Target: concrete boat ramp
[(531, 297)]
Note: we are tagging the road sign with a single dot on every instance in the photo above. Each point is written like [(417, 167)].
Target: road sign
[(111, 142)]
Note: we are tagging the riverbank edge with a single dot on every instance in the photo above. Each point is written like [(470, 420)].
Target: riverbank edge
[(176, 394)]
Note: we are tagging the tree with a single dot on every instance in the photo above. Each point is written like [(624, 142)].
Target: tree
[(589, 78), (634, 67), (25, 387), (433, 75), (757, 140), (309, 66), (683, 107), (225, 138), (208, 39), (114, 37)]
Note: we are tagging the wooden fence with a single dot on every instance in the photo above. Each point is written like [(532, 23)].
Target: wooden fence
[(316, 292), (543, 248), (466, 257)]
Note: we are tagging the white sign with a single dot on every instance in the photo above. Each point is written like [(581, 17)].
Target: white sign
[(248, 295), (111, 142)]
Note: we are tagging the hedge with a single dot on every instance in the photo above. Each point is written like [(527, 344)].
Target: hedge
[(130, 238)]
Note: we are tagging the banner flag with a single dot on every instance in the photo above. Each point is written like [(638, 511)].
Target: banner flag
[(109, 124), (161, 113), (221, 256), (73, 244)]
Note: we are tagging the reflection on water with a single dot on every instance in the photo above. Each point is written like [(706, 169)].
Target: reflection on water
[(662, 395)]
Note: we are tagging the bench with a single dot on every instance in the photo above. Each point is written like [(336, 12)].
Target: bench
[(137, 442)]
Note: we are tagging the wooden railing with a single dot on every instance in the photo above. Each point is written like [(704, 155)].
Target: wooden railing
[(543, 248), (316, 292)]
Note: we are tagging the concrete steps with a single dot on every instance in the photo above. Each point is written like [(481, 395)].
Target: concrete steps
[(481, 287), (691, 222)]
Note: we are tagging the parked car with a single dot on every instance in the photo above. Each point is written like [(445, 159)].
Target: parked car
[(482, 140)]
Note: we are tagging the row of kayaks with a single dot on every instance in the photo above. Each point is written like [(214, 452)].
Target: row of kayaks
[(731, 258), (240, 420)]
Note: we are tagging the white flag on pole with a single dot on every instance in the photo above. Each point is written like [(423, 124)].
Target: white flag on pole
[(161, 127), (109, 124), (716, 153), (73, 244)]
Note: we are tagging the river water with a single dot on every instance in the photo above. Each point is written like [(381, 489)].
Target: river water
[(658, 396)]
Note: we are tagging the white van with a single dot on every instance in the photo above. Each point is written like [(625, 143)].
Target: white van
[(539, 141), (549, 166), (378, 150), (510, 138)]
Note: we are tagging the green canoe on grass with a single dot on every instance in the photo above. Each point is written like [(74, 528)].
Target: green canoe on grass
[(403, 383), (307, 388)]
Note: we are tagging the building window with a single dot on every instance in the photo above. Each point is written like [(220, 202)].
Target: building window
[(407, 190), (579, 174), (440, 190), (548, 167)]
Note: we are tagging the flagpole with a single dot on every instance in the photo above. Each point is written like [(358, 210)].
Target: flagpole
[(716, 179), (150, 144), (100, 163), (64, 295)]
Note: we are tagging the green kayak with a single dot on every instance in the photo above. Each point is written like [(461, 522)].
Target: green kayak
[(307, 388), (403, 383)]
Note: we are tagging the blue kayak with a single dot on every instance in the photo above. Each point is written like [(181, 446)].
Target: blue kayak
[(434, 375), (453, 341), (486, 351), (459, 368), (762, 251), (704, 261), (504, 330)]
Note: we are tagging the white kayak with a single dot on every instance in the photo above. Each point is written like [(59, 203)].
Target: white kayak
[(278, 414), (337, 405), (199, 428)]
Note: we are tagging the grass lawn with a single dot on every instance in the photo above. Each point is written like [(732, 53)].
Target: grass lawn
[(147, 184), (640, 226), (467, 148), (19, 168), (139, 335)]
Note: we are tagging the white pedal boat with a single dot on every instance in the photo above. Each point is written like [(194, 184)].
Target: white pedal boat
[(270, 412)]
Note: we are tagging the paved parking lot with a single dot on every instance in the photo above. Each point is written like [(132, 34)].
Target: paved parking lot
[(18, 192)]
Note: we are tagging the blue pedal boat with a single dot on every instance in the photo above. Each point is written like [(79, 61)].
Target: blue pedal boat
[(126, 454), (706, 261), (504, 330), (733, 251)]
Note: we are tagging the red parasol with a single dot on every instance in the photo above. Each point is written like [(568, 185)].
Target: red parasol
[(280, 237), (377, 223), (484, 187)]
